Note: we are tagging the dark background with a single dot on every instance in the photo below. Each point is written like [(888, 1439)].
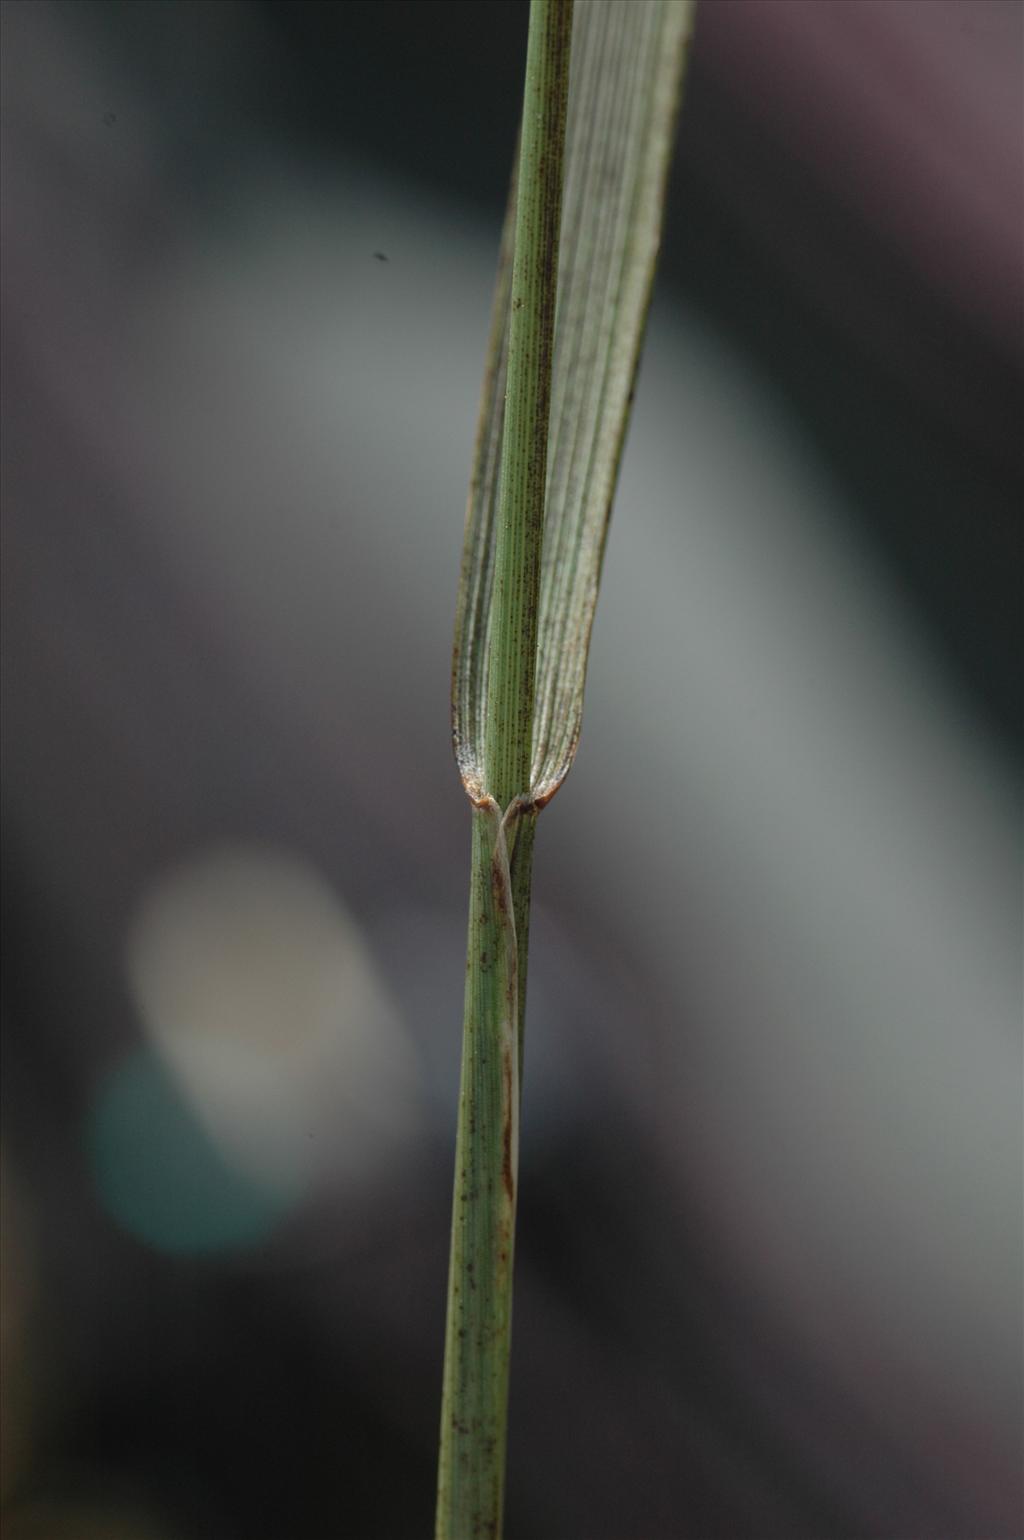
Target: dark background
[(769, 1258)]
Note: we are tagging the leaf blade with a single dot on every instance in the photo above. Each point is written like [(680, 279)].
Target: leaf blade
[(627, 64)]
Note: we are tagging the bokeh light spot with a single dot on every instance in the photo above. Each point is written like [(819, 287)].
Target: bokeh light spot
[(161, 1177), (256, 991)]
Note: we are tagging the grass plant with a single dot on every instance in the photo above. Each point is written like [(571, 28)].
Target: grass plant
[(578, 254)]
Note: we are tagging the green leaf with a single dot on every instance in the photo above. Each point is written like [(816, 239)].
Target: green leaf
[(577, 264), (627, 64), (474, 1399)]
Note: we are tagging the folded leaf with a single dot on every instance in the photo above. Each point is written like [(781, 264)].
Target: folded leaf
[(627, 62)]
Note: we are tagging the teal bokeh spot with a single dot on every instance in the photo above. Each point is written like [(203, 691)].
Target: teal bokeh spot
[(158, 1173)]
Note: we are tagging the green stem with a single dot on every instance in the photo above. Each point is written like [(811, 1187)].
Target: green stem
[(522, 874), (471, 1472), (474, 1407)]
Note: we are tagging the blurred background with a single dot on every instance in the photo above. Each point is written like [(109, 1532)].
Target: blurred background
[(769, 1263)]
